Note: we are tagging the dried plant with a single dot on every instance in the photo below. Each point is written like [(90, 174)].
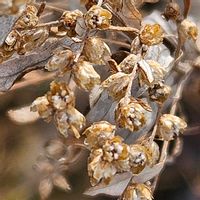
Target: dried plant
[(133, 74)]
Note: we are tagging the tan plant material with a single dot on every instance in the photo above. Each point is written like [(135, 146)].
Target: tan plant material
[(120, 76)]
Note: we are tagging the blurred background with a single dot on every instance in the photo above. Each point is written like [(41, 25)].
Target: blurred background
[(23, 136)]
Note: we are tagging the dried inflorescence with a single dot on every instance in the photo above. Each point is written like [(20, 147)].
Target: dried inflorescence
[(131, 114), (171, 126), (59, 102), (132, 79)]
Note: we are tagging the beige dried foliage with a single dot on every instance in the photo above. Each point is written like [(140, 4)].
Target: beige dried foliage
[(79, 51)]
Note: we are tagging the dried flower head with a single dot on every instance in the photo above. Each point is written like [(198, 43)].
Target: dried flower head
[(61, 61), (60, 96), (70, 19), (69, 120), (138, 158), (138, 192), (151, 34), (85, 76), (98, 133), (106, 161), (131, 114), (188, 29), (170, 126), (97, 17), (117, 84), (152, 152), (96, 51), (128, 63), (43, 107), (172, 11), (159, 92)]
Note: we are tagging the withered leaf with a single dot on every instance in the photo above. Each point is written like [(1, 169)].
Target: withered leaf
[(115, 188), (148, 173), (6, 24)]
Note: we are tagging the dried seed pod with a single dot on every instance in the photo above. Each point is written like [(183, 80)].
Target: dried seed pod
[(151, 34), (96, 51), (98, 133), (159, 92), (69, 119), (138, 192), (138, 158), (172, 11), (170, 126), (43, 107), (28, 19), (60, 96), (188, 30), (61, 61), (85, 76), (128, 63), (97, 17), (117, 84), (130, 114)]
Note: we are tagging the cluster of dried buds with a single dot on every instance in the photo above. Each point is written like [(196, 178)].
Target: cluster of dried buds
[(59, 103), (25, 35), (109, 153)]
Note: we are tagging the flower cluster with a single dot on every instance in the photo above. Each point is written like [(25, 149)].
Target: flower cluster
[(109, 155), (59, 102)]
